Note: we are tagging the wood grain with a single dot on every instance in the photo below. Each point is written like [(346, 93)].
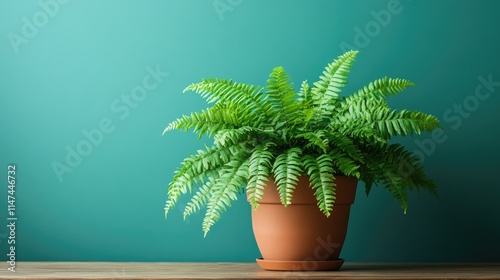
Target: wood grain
[(172, 270)]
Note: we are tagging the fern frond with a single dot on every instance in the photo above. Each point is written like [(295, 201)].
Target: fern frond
[(282, 97), (171, 201), (397, 190), (369, 181), (200, 198), (325, 92), (182, 182), (383, 171), (249, 97), (316, 139), (306, 107), (408, 168), (357, 119), (259, 171), (344, 163), (210, 120), (398, 169), (375, 113), (379, 89), (287, 169), (304, 93), (197, 167), (345, 144), (230, 183), (225, 136), (320, 171), (357, 129), (404, 123), (253, 135), (360, 110)]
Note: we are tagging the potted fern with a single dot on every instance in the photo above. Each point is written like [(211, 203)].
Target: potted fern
[(298, 157)]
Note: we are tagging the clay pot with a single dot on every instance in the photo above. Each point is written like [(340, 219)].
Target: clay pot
[(300, 236)]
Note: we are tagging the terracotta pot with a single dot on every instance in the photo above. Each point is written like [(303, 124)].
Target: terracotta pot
[(300, 236)]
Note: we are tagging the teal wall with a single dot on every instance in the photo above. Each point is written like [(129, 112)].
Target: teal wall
[(103, 78)]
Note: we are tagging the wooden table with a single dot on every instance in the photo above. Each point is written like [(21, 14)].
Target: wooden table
[(155, 270)]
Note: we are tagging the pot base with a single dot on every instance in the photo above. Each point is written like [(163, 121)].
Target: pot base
[(299, 265)]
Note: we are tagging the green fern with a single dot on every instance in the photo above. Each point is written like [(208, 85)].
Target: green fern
[(273, 133), (379, 89), (282, 98), (196, 168), (321, 173), (226, 91), (315, 140), (210, 121), (200, 199), (229, 184), (286, 170), (259, 171), (325, 93)]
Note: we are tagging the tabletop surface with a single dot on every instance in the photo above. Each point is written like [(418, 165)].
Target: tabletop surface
[(235, 270)]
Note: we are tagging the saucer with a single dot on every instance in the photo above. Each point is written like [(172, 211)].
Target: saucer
[(299, 265)]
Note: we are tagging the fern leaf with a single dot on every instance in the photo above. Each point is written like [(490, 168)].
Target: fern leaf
[(379, 89), (357, 119), (404, 123), (320, 171), (398, 169), (242, 133), (360, 109), (397, 190), (171, 201), (368, 184), (179, 185), (344, 163), (197, 167), (282, 97), (225, 190), (316, 139), (383, 168), (249, 97), (225, 136), (357, 129), (287, 169), (259, 170), (325, 92), (408, 168), (306, 109), (346, 144), (368, 109), (304, 94), (200, 198), (209, 121)]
